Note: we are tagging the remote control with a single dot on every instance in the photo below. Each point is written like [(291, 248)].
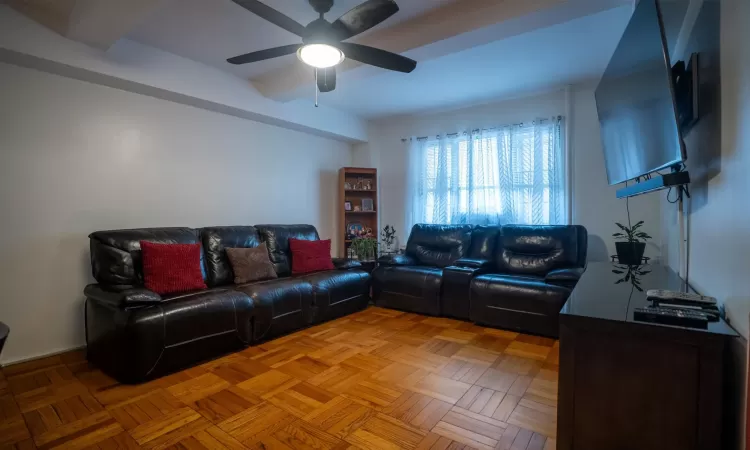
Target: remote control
[(668, 316), (712, 311), (662, 295)]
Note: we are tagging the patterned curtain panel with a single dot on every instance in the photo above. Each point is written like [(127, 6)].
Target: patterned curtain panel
[(512, 174)]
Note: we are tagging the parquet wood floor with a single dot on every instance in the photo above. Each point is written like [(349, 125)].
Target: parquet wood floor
[(378, 379)]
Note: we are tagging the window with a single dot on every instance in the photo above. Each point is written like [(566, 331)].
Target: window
[(512, 174)]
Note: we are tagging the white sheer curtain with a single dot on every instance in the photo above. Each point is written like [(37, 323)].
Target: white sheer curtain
[(511, 174)]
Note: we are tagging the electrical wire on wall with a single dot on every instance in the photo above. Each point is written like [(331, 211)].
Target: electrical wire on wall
[(627, 208)]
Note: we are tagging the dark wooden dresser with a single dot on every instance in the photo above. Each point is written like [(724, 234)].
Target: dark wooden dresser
[(631, 385)]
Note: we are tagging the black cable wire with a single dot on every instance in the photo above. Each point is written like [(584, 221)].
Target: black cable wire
[(627, 207), (669, 193)]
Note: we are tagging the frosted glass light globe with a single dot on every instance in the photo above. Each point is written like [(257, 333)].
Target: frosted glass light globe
[(320, 56)]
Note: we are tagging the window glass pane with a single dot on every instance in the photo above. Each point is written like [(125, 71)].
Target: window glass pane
[(495, 176), (463, 163)]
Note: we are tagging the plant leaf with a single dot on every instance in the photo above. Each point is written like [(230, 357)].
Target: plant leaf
[(619, 272)]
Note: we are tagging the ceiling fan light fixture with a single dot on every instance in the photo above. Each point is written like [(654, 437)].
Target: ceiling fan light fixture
[(321, 56)]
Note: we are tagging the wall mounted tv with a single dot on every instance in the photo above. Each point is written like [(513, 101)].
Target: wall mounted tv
[(638, 107)]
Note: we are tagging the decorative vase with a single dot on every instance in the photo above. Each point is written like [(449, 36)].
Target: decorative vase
[(630, 253)]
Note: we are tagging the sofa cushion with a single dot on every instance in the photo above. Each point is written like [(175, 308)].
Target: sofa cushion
[(483, 241), (251, 264), (281, 305), (169, 268), (116, 254), (528, 249), (518, 293), (277, 237), (215, 240), (206, 313), (408, 288), (438, 245), (338, 292), (310, 256)]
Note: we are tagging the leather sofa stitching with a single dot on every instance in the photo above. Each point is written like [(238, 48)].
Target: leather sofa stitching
[(221, 333), (516, 310)]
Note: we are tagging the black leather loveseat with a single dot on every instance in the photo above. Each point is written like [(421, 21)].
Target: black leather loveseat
[(514, 276), (134, 334)]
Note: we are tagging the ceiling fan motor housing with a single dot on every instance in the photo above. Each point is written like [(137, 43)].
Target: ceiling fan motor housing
[(318, 32), (321, 6)]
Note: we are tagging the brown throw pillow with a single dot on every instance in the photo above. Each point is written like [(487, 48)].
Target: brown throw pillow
[(251, 264)]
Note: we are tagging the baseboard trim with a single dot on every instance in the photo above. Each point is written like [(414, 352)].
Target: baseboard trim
[(46, 355)]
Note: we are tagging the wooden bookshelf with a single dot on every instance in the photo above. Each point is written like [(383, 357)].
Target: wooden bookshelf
[(357, 185)]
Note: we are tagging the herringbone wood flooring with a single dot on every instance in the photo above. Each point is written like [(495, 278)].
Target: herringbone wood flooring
[(378, 379)]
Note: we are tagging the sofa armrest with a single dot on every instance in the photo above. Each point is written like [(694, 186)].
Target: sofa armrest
[(346, 263), (397, 260), (474, 263), (571, 275), (125, 297)]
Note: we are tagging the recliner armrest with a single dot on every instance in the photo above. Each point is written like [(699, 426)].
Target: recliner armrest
[(572, 274), (346, 263), (125, 297), (474, 263), (397, 260)]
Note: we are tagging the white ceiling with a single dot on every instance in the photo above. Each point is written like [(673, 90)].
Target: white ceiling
[(509, 65), (573, 52)]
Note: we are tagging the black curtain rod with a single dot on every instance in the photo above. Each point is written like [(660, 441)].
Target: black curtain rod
[(422, 138)]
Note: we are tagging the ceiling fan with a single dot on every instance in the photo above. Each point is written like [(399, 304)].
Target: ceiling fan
[(322, 44)]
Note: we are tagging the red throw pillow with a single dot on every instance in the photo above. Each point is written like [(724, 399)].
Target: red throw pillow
[(170, 268), (310, 256)]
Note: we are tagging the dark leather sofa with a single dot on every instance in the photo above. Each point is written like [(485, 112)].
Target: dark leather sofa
[(514, 277), (134, 334)]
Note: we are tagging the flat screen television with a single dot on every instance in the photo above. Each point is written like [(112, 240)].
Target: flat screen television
[(636, 101)]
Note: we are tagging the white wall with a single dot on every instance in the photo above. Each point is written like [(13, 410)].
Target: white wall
[(76, 157), (719, 163), (720, 218), (594, 202), (140, 68)]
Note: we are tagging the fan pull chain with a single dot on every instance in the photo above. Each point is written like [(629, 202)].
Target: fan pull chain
[(316, 88)]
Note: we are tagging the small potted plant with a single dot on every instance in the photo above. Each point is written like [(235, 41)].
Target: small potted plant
[(365, 248), (388, 237), (632, 245)]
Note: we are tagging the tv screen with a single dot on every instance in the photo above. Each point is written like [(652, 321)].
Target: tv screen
[(635, 101)]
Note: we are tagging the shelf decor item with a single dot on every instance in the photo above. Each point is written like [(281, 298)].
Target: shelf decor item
[(354, 230), (347, 206), (367, 204), (630, 251)]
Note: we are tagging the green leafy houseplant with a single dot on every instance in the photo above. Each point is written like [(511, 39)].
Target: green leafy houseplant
[(366, 249), (633, 243), (388, 237)]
